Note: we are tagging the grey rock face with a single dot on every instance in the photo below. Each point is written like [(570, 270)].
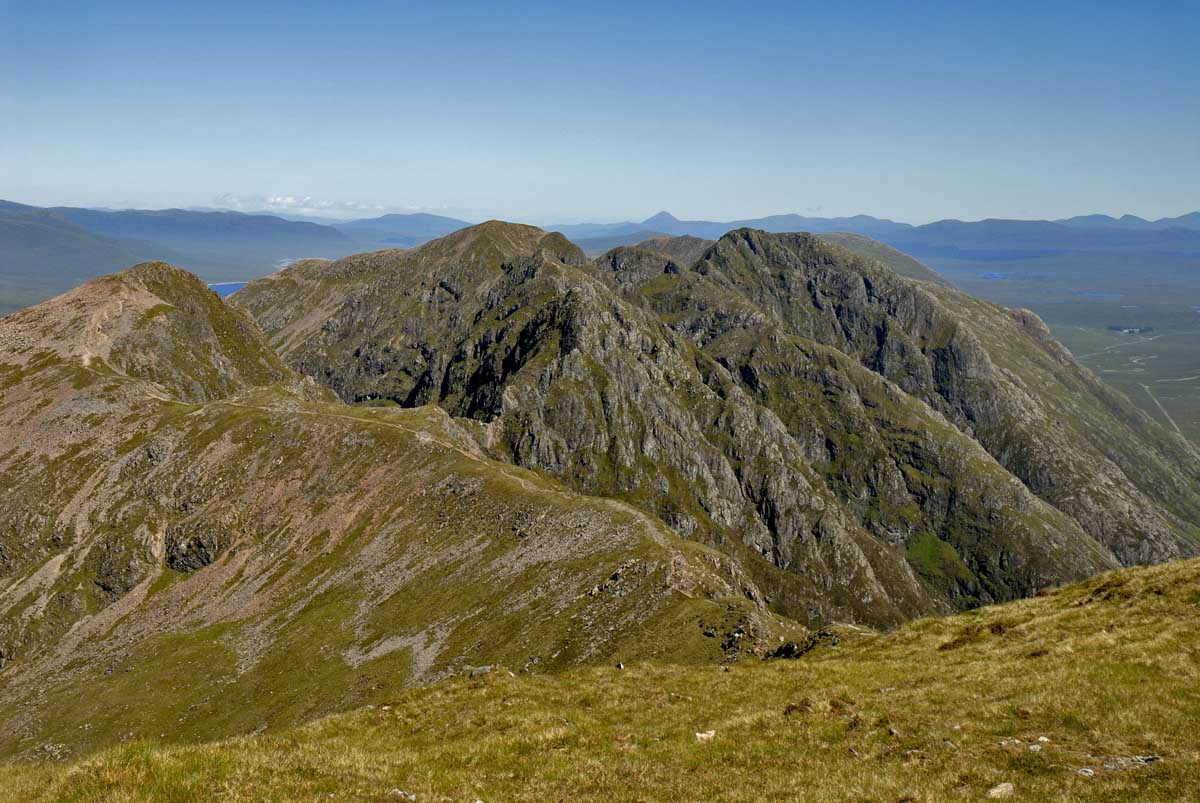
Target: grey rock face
[(194, 545), (996, 374)]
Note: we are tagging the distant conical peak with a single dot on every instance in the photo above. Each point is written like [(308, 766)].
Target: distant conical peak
[(661, 217)]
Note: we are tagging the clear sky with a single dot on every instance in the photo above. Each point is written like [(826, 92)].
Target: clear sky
[(567, 111)]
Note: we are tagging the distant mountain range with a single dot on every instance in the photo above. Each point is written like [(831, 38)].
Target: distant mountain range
[(409, 229), (992, 238), (1189, 221), (44, 251)]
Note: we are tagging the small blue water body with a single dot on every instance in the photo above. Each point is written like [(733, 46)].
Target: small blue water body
[(224, 289)]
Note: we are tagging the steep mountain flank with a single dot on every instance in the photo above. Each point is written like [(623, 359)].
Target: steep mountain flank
[(832, 424), (195, 541), (996, 374)]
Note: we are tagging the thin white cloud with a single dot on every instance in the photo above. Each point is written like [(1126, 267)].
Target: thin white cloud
[(298, 205), (308, 206)]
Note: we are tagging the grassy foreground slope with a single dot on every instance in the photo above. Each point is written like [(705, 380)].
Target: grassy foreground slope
[(1100, 677)]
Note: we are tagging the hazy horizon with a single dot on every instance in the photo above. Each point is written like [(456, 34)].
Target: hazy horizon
[(344, 213), (560, 114)]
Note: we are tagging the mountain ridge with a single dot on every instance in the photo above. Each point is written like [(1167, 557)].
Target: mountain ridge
[(684, 451), (211, 516), (411, 333)]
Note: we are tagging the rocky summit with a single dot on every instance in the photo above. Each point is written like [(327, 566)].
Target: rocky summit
[(492, 451)]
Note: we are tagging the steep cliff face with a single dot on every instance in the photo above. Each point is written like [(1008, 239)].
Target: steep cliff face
[(835, 426), (195, 540)]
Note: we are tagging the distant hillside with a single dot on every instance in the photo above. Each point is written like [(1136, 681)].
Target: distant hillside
[(595, 246), (34, 242), (404, 230), (999, 238), (667, 223), (44, 252), (229, 237), (1188, 221), (896, 260)]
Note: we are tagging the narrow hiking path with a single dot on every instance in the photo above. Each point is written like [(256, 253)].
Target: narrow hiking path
[(1162, 409)]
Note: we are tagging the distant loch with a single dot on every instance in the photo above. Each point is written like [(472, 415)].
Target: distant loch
[(224, 289)]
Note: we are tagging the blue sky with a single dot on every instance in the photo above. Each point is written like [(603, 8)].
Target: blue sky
[(565, 111)]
